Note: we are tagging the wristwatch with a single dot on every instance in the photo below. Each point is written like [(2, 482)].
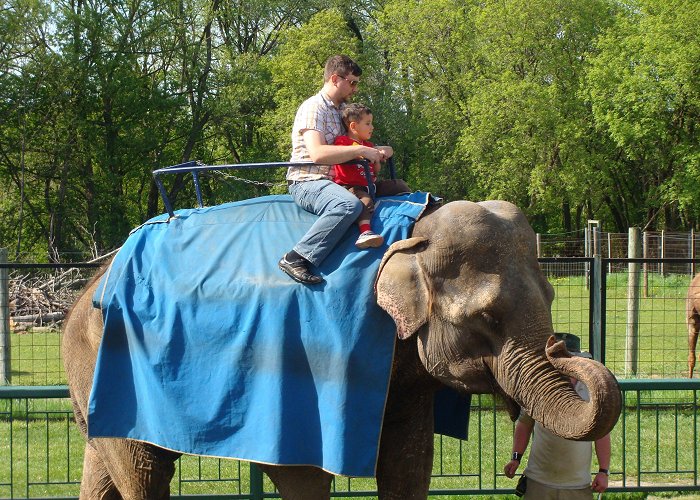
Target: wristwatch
[(604, 471), (517, 456)]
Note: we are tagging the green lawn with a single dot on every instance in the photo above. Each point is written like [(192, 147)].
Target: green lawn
[(42, 442), (47, 448), (36, 359), (662, 333)]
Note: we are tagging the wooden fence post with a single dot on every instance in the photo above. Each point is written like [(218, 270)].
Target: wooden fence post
[(5, 370), (591, 245), (663, 252), (692, 252), (645, 254), (632, 337)]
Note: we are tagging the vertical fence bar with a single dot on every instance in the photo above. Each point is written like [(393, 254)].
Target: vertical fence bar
[(692, 252), (639, 438), (256, 482), (623, 418), (663, 252), (5, 361), (480, 452), (695, 437), (595, 321)]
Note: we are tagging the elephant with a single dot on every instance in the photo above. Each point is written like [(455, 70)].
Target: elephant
[(692, 318), (472, 310)]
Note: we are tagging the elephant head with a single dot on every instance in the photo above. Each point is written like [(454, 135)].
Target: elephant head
[(468, 287)]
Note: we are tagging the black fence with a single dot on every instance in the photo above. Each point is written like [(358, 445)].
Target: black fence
[(629, 314)]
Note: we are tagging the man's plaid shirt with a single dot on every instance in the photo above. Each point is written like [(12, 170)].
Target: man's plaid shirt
[(316, 113)]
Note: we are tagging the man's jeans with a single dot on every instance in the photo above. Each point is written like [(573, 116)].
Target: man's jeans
[(338, 210)]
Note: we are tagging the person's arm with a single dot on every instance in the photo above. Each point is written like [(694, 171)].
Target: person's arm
[(602, 451), (521, 438), (329, 154)]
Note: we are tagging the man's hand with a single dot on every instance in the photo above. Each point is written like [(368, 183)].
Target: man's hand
[(511, 468), (600, 482), (387, 150), (373, 155)]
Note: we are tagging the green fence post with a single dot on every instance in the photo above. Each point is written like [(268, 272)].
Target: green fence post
[(256, 482), (597, 297), (5, 369)]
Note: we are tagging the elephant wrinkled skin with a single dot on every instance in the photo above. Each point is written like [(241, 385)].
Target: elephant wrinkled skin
[(473, 311)]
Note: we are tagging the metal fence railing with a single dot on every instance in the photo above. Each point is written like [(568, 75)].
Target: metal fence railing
[(655, 444), (655, 447), (592, 300)]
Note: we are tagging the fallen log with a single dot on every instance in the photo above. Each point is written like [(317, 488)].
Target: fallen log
[(39, 318)]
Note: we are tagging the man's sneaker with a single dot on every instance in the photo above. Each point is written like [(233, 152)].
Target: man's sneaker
[(298, 271), (369, 239)]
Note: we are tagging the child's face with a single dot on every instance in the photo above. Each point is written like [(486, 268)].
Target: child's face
[(363, 127)]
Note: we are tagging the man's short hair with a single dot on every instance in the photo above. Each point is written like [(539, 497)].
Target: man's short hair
[(342, 66), (353, 112)]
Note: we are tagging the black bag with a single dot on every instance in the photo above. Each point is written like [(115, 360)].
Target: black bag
[(521, 487)]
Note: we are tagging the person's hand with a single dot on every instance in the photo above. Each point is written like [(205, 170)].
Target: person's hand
[(387, 150), (511, 468), (600, 482), (373, 155)]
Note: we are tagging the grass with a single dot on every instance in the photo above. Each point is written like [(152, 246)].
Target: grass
[(36, 358), (651, 443), (662, 335), (662, 349), (651, 446)]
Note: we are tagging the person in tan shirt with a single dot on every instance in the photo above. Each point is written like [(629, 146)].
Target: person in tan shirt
[(559, 468)]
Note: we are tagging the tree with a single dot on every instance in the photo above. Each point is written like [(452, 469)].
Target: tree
[(644, 87), (494, 85), (431, 64), (529, 139)]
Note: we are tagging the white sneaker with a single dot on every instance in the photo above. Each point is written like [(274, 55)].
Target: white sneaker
[(369, 239)]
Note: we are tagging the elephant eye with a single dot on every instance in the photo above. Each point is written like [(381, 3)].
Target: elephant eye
[(490, 321)]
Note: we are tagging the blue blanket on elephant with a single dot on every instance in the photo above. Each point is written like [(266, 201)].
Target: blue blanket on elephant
[(210, 349)]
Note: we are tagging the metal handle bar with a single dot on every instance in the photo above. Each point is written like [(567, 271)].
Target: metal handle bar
[(195, 167)]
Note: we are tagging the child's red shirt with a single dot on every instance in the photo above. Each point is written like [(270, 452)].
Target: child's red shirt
[(352, 175)]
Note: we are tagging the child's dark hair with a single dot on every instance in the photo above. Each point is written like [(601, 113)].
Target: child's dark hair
[(353, 112)]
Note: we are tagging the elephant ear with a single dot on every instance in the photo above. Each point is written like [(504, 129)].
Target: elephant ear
[(402, 288)]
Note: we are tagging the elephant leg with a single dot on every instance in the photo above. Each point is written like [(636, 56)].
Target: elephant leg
[(140, 471), (300, 482), (96, 483), (406, 452), (693, 328)]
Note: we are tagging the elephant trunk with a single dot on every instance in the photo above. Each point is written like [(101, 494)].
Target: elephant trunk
[(550, 399)]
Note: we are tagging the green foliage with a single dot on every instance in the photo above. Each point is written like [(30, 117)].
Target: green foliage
[(430, 48), (645, 92), (572, 110), (296, 69)]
